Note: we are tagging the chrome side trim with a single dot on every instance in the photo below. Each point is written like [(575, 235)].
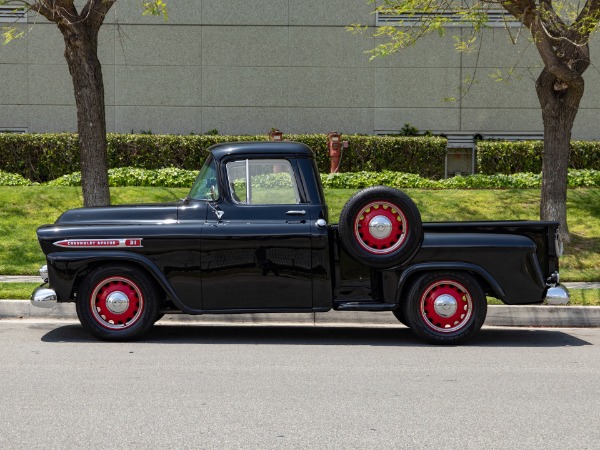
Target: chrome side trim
[(557, 295), (44, 273), (553, 280), (43, 297), (559, 246), (100, 243)]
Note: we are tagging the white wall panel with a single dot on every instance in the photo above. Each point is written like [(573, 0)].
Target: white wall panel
[(245, 46), (505, 119), (245, 120), (424, 119), (323, 87), (330, 12), (401, 88), (14, 116), (244, 12), (158, 45), (157, 86), (158, 119), (324, 120), (244, 86), (52, 119), (14, 84)]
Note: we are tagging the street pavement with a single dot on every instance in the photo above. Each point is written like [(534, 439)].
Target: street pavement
[(294, 387)]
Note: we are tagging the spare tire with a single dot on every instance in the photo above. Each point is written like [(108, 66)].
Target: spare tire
[(381, 227)]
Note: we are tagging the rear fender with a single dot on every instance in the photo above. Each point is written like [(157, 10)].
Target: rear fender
[(410, 272)]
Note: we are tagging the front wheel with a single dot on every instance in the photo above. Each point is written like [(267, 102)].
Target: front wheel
[(445, 308), (117, 303)]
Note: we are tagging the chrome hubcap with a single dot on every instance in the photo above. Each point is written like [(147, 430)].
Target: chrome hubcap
[(117, 302), (445, 305), (380, 227)]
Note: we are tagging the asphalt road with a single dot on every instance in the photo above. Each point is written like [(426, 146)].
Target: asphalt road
[(190, 386)]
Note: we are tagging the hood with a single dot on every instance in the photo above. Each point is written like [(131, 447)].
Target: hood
[(121, 214)]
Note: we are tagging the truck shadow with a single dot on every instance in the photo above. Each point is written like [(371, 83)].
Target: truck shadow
[(321, 335)]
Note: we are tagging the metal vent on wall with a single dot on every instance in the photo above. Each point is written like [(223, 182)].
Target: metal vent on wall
[(462, 145), (496, 19), (13, 130), (13, 13)]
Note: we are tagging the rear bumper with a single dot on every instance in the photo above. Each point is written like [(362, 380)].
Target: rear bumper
[(44, 297), (557, 295)]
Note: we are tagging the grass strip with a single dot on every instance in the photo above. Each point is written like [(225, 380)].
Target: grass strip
[(25, 208)]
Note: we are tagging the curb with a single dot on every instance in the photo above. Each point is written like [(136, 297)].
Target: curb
[(498, 315)]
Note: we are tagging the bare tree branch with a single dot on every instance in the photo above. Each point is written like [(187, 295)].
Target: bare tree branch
[(588, 19), (555, 65), (552, 21), (57, 11), (95, 12), (518, 8)]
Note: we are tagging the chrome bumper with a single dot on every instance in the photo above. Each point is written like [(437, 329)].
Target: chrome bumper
[(43, 297), (557, 295)]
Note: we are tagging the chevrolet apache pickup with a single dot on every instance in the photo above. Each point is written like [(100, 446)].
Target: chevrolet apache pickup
[(253, 236)]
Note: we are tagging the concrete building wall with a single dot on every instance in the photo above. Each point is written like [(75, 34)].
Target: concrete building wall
[(245, 67)]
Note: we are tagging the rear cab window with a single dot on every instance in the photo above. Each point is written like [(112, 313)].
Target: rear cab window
[(262, 182)]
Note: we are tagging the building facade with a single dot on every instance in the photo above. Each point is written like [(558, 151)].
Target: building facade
[(244, 67)]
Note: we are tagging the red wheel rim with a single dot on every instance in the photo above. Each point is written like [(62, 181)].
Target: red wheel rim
[(116, 303), (446, 306), (380, 227)]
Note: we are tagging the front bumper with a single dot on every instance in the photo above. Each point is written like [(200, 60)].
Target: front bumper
[(557, 295), (44, 297)]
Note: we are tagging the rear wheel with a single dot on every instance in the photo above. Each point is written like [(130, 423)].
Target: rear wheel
[(399, 314), (117, 303), (445, 308)]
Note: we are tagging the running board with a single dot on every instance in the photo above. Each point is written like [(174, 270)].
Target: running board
[(364, 306)]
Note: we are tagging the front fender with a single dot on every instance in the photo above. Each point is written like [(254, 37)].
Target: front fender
[(64, 268), (449, 266)]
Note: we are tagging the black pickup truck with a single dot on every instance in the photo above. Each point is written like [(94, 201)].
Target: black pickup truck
[(253, 236)]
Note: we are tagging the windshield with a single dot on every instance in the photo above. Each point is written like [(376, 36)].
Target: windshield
[(205, 187)]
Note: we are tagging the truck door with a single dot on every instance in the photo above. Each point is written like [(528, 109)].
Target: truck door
[(258, 255)]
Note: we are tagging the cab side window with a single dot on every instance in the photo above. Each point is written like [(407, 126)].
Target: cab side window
[(205, 187), (262, 182)]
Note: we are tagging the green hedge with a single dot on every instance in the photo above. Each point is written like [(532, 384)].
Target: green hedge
[(134, 176), (358, 180), (12, 179), (43, 157), (179, 178), (526, 156), (424, 156)]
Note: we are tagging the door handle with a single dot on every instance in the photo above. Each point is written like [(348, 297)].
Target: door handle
[(296, 213)]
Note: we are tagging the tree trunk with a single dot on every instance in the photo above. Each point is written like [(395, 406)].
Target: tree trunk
[(81, 45), (560, 104)]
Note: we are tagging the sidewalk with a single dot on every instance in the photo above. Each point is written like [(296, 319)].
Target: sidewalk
[(508, 316)]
